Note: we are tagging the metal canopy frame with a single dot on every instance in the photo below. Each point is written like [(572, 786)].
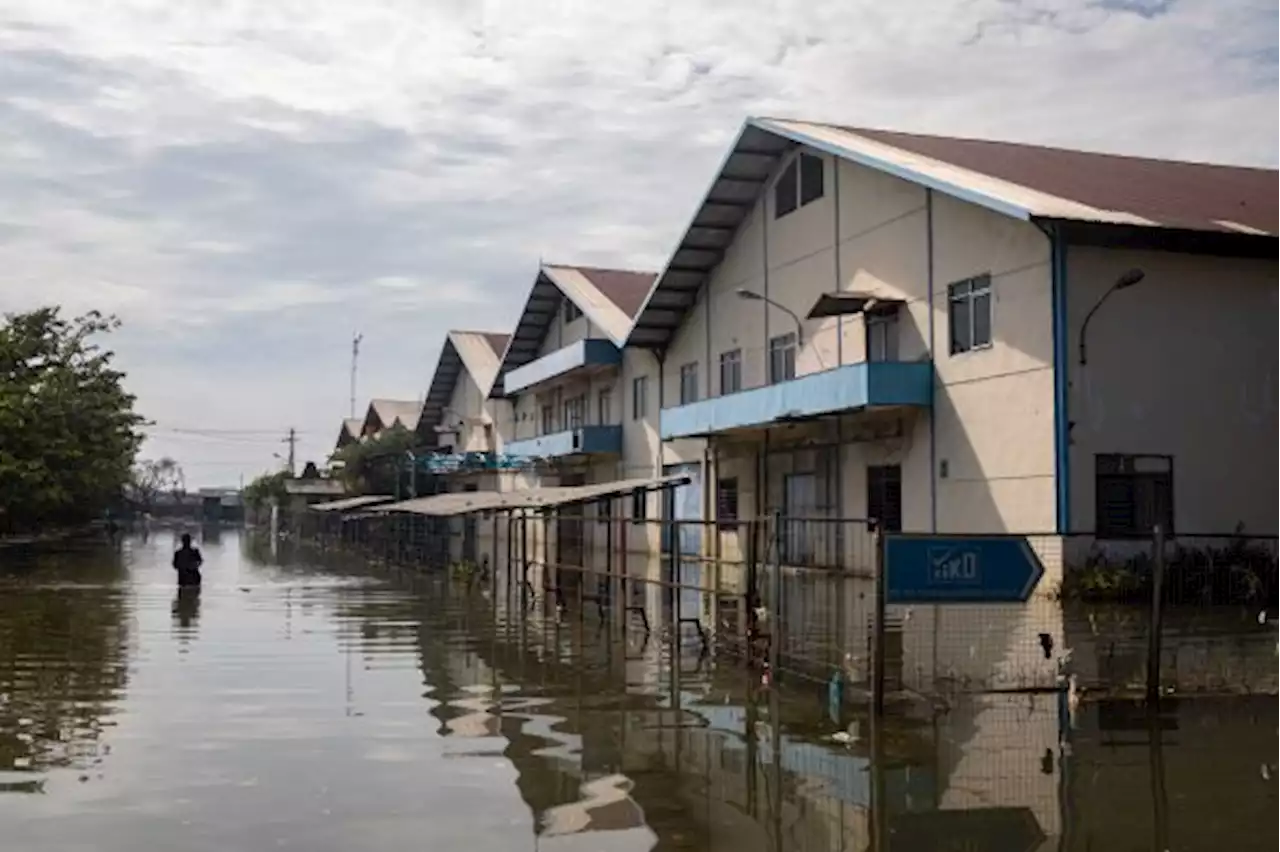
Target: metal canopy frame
[(549, 497)]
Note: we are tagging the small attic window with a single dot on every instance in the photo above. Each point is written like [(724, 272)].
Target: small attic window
[(800, 183), (571, 311)]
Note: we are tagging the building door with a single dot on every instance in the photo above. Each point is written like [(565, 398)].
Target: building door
[(884, 496), (799, 507)]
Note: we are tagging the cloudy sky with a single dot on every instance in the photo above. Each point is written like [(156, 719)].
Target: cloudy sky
[(248, 182)]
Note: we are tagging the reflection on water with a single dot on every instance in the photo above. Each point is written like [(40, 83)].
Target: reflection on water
[(290, 705)]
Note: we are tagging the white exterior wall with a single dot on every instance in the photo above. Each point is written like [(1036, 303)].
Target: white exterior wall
[(993, 408), (1182, 364)]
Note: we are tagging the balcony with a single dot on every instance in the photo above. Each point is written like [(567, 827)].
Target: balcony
[(590, 354), (853, 387), (587, 440)]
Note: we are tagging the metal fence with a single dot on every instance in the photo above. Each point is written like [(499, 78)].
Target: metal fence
[(797, 598)]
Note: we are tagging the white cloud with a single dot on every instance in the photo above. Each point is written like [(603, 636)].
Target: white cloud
[(248, 183)]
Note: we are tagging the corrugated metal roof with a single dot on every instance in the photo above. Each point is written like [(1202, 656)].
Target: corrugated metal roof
[(313, 487), (1023, 181), (478, 352), (385, 413), (609, 298), (466, 502), (352, 503), (1120, 189)]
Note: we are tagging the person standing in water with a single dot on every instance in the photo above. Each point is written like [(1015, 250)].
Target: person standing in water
[(187, 561)]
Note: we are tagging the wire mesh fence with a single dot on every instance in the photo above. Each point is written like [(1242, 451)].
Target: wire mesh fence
[(796, 596)]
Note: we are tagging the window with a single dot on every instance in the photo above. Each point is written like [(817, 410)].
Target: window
[(604, 407), (800, 183), (689, 383), (571, 311), (730, 371), (784, 192), (1133, 494), (969, 314), (882, 336), (604, 510), (575, 412), (810, 178), (884, 495), (639, 397), (548, 419), (639, 506), (727, 502), (782, 358)]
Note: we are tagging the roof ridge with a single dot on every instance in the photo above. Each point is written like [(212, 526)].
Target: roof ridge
[(601, 268), (850, 128)]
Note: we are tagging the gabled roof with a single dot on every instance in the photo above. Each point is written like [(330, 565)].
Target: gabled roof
[(385, 413), (478, 352), (609, 298), (1028, 182), (350, 431)]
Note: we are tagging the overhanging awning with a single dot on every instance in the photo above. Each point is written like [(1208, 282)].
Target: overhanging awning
[(352, 503), (851, 302), (550, 497)]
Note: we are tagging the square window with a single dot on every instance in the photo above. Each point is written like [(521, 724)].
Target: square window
[(782, 358), (689, 383), (639, 397), (969, 314), (784, 192), (1132, 495), (811, 184), (730, 371), (727, 502)]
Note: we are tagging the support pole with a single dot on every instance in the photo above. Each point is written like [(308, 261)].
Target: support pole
[(1157, 618)]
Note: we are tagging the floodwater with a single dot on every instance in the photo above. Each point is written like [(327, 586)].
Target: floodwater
[(292, 705)]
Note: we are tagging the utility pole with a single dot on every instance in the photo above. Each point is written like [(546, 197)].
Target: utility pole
[(292, 441), (355, 357)]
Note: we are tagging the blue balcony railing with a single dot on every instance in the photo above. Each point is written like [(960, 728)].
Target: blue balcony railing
[(585, 440), (592, 352), (848, 388)]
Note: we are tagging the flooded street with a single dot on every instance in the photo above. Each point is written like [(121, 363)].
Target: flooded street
[(293, 705)]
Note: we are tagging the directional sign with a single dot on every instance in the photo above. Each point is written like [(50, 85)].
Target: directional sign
[(972, 830), (959, 569)]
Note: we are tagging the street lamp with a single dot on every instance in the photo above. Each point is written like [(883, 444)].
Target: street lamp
[(1128, 279), (753, 296)]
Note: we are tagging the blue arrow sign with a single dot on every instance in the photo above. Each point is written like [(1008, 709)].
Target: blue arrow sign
[(959, 569)]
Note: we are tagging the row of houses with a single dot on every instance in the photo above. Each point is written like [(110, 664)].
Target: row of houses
[(948, 335)]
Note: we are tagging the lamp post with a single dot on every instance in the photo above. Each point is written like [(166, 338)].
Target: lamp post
[(1128, 279), (753, 296)]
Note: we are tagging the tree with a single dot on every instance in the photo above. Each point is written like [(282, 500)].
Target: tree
[(68, 431), (153, 478), (263, 488), (377, 465)]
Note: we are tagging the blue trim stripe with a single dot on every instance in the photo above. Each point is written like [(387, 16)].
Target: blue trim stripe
[(1061, 422)]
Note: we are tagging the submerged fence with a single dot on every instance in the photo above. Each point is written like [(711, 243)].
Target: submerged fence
[(797, 598)]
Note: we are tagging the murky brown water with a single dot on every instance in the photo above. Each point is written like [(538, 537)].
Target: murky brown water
[(293, 706)]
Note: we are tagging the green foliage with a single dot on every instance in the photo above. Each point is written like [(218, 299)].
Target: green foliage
[(379, 465), (68, 432), (1243, 572), (265, 487)]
